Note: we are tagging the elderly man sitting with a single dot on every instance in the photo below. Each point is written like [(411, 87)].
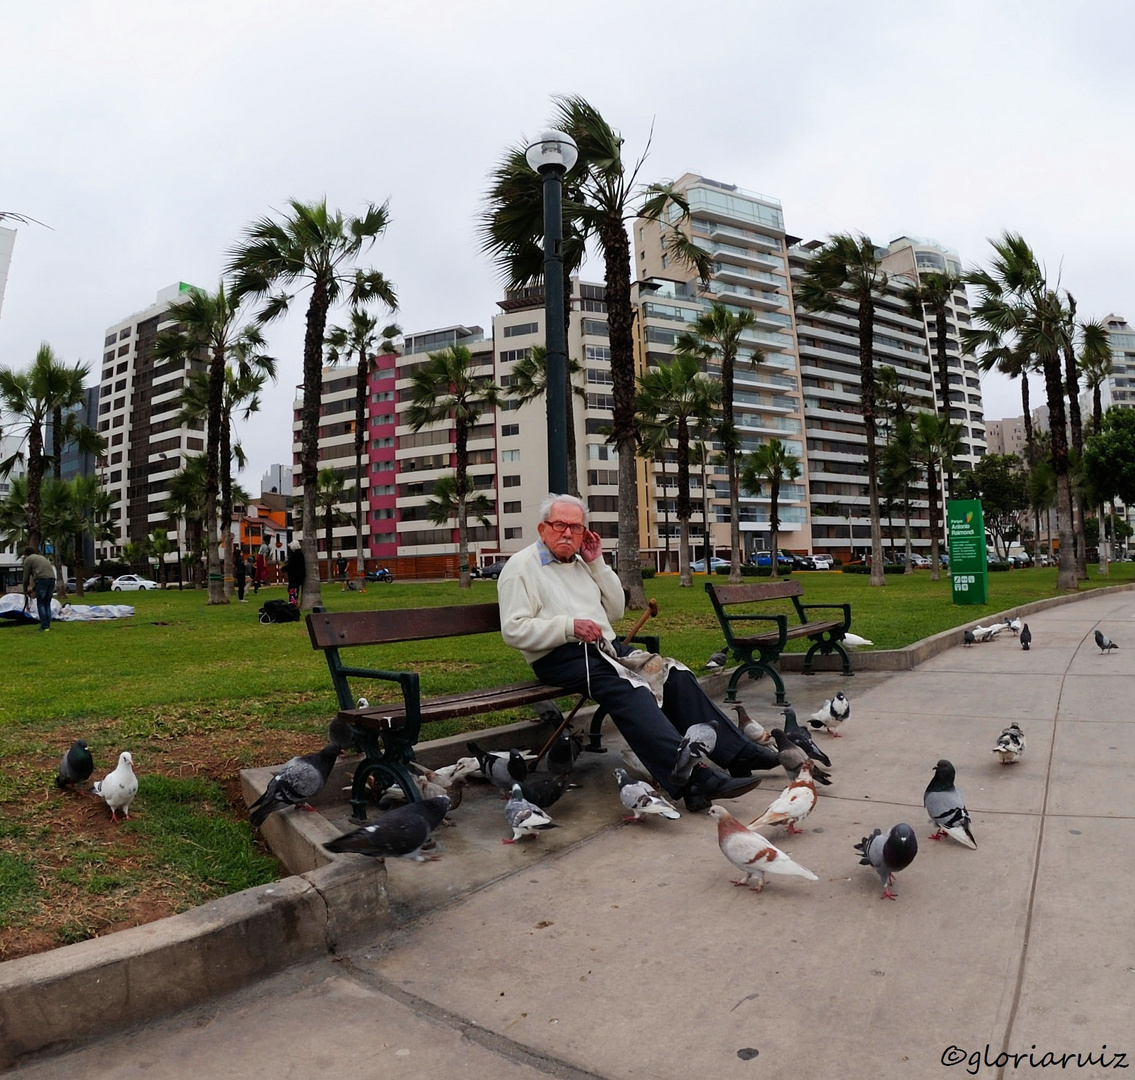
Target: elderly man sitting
[(558, 599)]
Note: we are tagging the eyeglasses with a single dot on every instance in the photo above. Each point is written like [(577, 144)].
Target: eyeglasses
[(565, 527)]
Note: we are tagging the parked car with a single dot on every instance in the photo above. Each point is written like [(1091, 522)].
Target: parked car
[(944, 561), (493, 570), (919, 562), (783, 558), (70, 584), (96, 582), (823, 561), (715, 564), (133, 583)]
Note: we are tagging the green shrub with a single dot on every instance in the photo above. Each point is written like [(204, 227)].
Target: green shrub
[(999, 567), (648, 572), (863, 568), (749, 570)]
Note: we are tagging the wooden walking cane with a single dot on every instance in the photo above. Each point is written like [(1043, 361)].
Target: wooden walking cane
[(651, 612)]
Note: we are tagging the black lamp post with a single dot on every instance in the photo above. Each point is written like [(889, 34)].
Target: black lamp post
[(552, 155)]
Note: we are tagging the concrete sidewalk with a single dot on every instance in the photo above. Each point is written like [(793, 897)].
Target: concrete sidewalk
[(623, 951)]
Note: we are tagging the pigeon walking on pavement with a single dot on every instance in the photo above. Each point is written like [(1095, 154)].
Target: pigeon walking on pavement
[(1014, 626), (749, 727), (888, 855), (1104, 642), (793, 804), (118, 788), (946, 806), (494, 766), (1010, 744), (398, 834), (792, 757), (968, 639), (831, 714), (524, 818), (640, 798), (802, 737), (751, 853), (299, 779), (1026, 637), (563, 752), (76, 766)]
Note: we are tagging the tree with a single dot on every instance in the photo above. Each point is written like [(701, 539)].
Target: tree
[(1001, 483), (771, 465), (715, 337), (673, 399), (330, 489), (448, 387), (600, 196), (361, 338), (443, 507), (85, 510), (1109, 456), (848, 271), (900, 470), (186, 503), (1095, 364), (1075, 426), (311, 248), (936, 442)]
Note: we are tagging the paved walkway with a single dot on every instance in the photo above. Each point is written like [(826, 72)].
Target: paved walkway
[(625, 952)]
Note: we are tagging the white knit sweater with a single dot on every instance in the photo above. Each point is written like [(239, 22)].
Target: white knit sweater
[(540, 601)]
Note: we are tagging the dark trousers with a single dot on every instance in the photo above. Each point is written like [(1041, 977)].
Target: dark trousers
[(44, 590), (653, 733)]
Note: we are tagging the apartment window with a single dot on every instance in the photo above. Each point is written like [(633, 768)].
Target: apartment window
[(597, 352), (509, 405), (104, 408), (382, 466), (595, 328), (382, 538), (511, 481), (116, 458), (116, 476), (510, 429), (194, 444), (514, 534), (384, 418), (110, 340), (510, 455), (120, 385), (116, 441), (123, 350), (119, 403), (382, 395), (512, 508), (378, 444), (124, 334), (510, 356), (520, 329), (382, 489), (117, 421)]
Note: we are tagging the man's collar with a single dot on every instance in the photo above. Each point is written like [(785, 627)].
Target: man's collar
[(546, 556)]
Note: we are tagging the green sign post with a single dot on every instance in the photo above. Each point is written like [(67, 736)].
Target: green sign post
[(968, 571)]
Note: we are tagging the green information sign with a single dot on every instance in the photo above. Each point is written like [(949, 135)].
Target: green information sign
[(968, 572)]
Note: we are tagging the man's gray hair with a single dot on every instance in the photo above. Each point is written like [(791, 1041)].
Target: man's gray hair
[(553, 500)]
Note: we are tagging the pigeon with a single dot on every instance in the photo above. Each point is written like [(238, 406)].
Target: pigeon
[(1026, 637), (524, 818), (399, 833), (751, 853), (987, 633), (831, 714), (1014, 626), (640, 798), (362, 703), (803, 738), (1104, 642), (946, 807), (118, 788), (76, 766), (699, 741), (544, 789), (888, 856), (463, 767), (517, 766), (854, 641), (340, 733), (548, 712), (717, 660), (792, 805), (494, 767), (968, 639), (563, 752), (1010, 744), (432, 784), (298, 780), (749, 727), (792, 757)]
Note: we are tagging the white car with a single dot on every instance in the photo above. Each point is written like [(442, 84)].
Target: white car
[(715, 564), (823, 562), (132, 583)]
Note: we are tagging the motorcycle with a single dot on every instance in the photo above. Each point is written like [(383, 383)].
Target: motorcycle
[(381, 574)]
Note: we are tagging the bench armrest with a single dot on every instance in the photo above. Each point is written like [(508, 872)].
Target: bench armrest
[(408, 682), (845, 608)]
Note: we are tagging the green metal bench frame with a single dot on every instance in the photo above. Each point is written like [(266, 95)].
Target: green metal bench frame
[(826, 635)]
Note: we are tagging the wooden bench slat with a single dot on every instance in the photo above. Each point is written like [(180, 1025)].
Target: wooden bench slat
[(450, 706)]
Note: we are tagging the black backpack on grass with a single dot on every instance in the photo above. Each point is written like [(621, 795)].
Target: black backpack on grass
[(275, 611)]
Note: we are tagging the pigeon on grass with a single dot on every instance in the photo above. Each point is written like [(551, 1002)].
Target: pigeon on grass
[(717, 660), (854, 641), (751, 853), (398, 834), (946, 806), (118, 788), (802, 737), (888, 855), (831, 714), (1010, 744), (792, 805), (298, 780), (640, 798), (1026, 637), (76, 766), (524, 818), (1104, 642), (749, 727)]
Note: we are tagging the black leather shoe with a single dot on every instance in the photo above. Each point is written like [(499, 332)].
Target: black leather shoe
[(706, 785), (753, 757)]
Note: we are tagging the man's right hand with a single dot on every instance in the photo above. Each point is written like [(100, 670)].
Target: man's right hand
[(586, 630)]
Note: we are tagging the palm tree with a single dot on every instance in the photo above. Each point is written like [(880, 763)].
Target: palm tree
[(1095, 365), (901, 470), (186, 503), (601, 195), (444, 506), (700, 455), (311, 248), (847, 270), (330, 489), (715, 337), (653, 447), (530, 382), (362, 338), (936, 442), (772, 465), (67, 425), (88, 514), (447, 386), (673, 399)]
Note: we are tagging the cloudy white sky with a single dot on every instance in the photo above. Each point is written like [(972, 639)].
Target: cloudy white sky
[(148, 134)]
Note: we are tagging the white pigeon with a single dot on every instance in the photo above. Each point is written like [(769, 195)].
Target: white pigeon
[(1014, 626), (751, 853), (117, 789), (524, 818), (640, 798), (792, 805), (831, 714), (854, 641), (463, 767), (987, 633), (1010, 744)]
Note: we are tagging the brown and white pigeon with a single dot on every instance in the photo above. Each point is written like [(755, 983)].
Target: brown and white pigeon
[(749, 727), (641, 799), (831, 714), (1010, 744), (118, 788), (751, 853), (890, 855), (793, 804), (398, 834), (946, 806)]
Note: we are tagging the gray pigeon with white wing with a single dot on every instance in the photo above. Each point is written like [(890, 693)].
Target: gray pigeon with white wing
[(888, 855), (698, 741), (641, 799), (299, 779), (946, 806), (1010, 744), (524, 818)]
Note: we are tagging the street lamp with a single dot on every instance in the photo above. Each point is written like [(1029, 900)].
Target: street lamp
[(552, 155)]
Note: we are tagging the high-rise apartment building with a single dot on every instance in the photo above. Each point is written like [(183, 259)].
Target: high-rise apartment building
[(137, 415), (1006, 436)]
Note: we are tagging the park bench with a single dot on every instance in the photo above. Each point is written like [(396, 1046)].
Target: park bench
[(386, 733), (756, 653)]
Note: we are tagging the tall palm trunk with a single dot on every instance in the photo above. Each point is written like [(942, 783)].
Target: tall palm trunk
[(1075, 421), (212, 475), (35, 486), (867, 383), (1054, 386), (309, 439), (227, 500), (461, 493), (935, 562), (683, 507), (774, 529), (360, 441)]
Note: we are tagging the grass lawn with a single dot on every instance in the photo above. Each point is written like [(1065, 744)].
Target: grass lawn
[(197, 693)]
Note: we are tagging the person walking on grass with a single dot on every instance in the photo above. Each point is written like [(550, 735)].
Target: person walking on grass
[(240, 571), (295, 570), (39, 577)]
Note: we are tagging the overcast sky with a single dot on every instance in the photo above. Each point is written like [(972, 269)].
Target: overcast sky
[(148, 135)]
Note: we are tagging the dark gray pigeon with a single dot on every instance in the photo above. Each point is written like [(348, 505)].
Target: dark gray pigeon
[(792, 758), (76, 766), (563, 752), (888, 856), (1104, 642), (1026, 637), (549, 712), (340, 733), (717, 660), (398, 834), (968, 638), (802, 737), (298, 780), (946, 806)]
